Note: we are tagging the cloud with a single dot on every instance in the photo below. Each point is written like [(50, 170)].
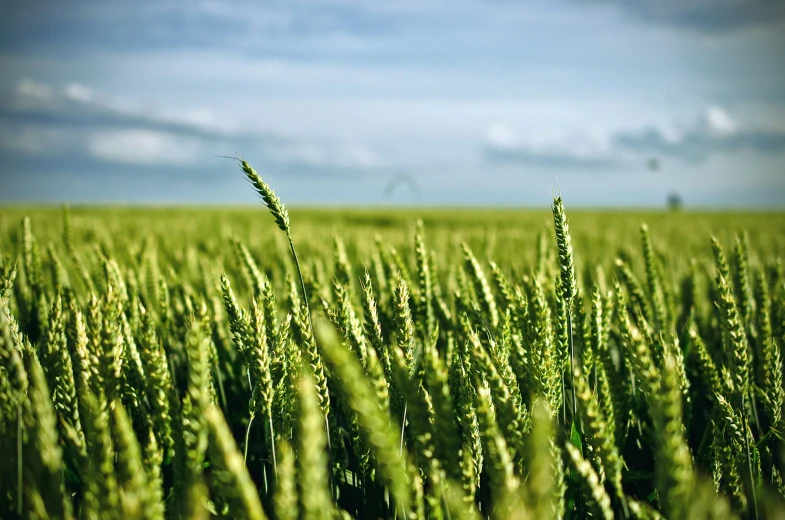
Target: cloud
[(503, 146), (77, 105), (705, 16), (712, 134), (143, 147), (314, 158), (76, 119), (32, 89), (78, 92), (501, 137), (719, 121)]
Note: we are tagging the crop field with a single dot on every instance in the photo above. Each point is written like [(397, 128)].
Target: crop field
[(448, 364)]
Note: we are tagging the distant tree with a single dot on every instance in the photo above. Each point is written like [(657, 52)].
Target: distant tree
[(674, 201)]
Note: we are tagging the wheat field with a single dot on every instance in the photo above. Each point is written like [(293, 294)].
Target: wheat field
[(446, 364)]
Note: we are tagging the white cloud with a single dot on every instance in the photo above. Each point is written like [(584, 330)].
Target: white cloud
[(126, 131), (500, 136), (711, 134), (32, 89), (358, 156), (143, 147), (300, 153), (82, 106), (325, 155), (590, 148), (671, 132), (78, 92), (719, 120)]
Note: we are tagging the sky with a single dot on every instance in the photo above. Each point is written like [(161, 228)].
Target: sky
[(429, 102)]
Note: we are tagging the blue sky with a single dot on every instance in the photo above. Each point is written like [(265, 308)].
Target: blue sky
[(484, 102)]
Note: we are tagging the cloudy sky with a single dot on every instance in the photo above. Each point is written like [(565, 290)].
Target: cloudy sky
[(480, 102)]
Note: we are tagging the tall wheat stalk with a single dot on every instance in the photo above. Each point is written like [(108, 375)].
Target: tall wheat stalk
[(281, 216)]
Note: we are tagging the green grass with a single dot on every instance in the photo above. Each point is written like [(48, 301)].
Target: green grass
[(434, 377)]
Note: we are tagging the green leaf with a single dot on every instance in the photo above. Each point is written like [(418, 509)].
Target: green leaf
[(635, 475), (575, 437)]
